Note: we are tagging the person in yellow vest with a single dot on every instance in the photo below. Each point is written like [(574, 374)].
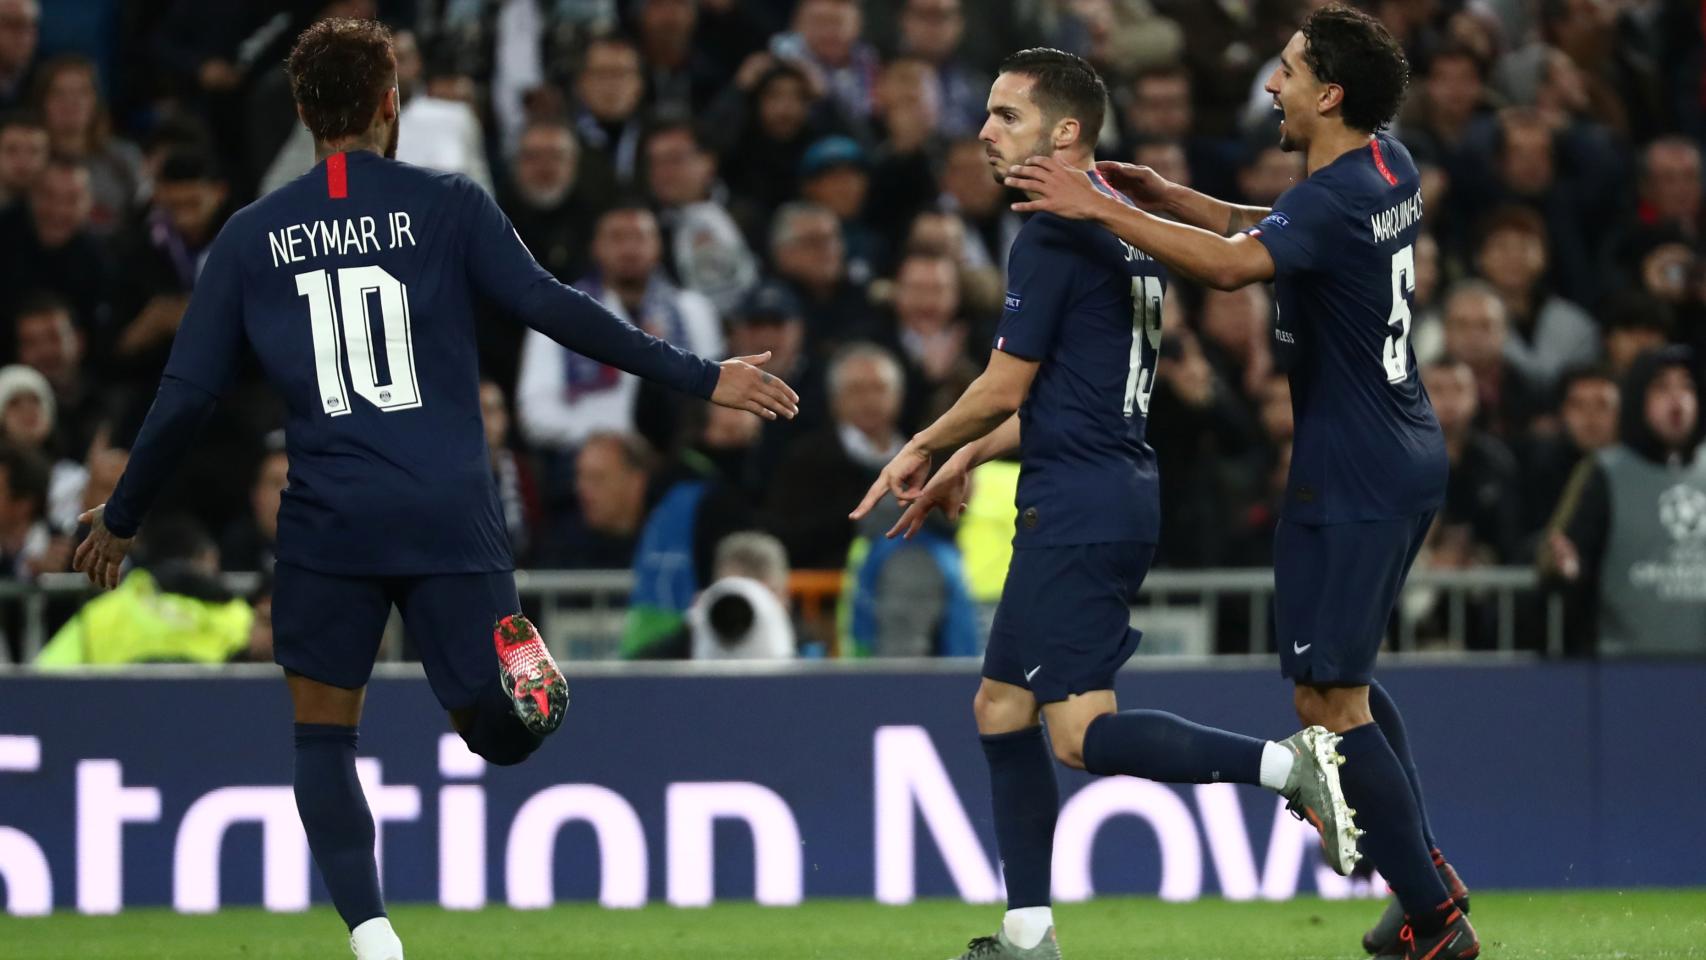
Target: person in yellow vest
[(171, 608)]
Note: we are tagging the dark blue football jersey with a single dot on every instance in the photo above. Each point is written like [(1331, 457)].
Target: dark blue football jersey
[(355, 286), (1088, 306), (1368, 446)]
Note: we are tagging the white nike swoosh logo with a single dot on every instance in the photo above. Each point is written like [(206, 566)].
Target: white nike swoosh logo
[(1031, 673), (1297, 649)]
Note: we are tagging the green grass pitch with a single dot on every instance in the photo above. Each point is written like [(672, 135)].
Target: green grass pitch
[(1644, 925)]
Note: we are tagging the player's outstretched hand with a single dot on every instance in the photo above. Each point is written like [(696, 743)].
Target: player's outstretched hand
[(101, 554), (1145, 187), (743, 386), (1055, 188), (904, 477), (946, 491)]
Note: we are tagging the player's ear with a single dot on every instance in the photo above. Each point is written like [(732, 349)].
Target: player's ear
[(1066, 133), (1332, 96)]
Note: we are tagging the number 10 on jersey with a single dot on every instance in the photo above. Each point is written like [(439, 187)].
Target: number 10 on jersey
[(352, 339)]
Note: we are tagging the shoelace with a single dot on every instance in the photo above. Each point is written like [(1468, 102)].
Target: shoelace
[(982, 947), (1407, 935), (527, 658)]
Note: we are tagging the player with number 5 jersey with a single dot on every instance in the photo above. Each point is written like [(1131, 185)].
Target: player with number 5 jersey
[(355, 285), (1368, 469)]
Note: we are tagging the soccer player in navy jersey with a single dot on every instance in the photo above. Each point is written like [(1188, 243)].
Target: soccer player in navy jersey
[(1068, 386), (1369, 465), (354, 285)]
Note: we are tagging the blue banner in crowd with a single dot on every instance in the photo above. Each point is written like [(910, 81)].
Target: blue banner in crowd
[(122, 792)]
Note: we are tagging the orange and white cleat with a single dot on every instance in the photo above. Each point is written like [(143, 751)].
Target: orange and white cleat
[(535, 686)]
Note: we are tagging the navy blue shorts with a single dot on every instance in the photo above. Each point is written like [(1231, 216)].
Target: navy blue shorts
[(1064, 622), (1334, 589), (327, 627)]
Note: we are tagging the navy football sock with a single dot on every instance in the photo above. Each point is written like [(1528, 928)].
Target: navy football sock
[(1376, 788), (1392, 727), (1170, 749), (1027, 801), (336, 819), (495, 733)]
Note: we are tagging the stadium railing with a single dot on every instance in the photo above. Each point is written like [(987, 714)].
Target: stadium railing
[(581, 612)]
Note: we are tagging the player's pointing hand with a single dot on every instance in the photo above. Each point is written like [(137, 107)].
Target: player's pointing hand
[(743, 386), (100, 555), (904, 477), (1055, 188)]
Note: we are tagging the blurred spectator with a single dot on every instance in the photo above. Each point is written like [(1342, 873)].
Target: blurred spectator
[(1446, 121), (1635, 322), (1588, 410), (971, 189), (1629, 534), (765, 123), (835, 175), (1665, 264), (260, 645), (48, 341), (695, 503), (438, 127), (770, 320), (517, 496), (20, 21), (807, 251), (903, 167), (831, 467), (609, 89), (743, 614), (932, 31), (79, 129), (1166, 157), (49, 247), (1481, 495), (982, 285), (1546, 332), (706, 251), (27, 422), (1477, 332), (1569, 193), (28, 547), (23, 155), (562, 397), (1427, 328), (251, 541), (1269, 172), (548, 201), (612, 480), (681, 78), (1237, 341), (163, 260), (1670, 186), (170, 608), (825, 36), (931, 335), (1160, 109), (908, 597), (1594, 34)]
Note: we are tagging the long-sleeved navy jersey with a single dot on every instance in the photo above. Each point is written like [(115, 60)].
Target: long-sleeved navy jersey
[(1368, 445), (355, 284)]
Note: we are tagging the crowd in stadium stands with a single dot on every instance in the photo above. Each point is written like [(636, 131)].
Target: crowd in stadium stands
[(804, 177)]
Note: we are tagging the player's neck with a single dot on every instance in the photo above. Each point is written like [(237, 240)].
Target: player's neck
[(1077, 161), (371, 142), (1333, 142)]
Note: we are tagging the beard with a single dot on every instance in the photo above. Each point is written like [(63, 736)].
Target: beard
[(1043, 147)]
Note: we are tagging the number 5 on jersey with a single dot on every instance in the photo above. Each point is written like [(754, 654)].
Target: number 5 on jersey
[(350, 343), (1395, 354)]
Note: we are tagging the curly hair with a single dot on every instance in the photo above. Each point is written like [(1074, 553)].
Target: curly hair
[(339, 71), (1347, 47)]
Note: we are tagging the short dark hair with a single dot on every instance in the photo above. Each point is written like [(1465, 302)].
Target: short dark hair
[(1636, 309), (1512, 217), (37, 302), (1581, 373), (22, 117), (339, 71), (189, 165), (1347, 47), (26, 476), (676, 124), (1065, 86)]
